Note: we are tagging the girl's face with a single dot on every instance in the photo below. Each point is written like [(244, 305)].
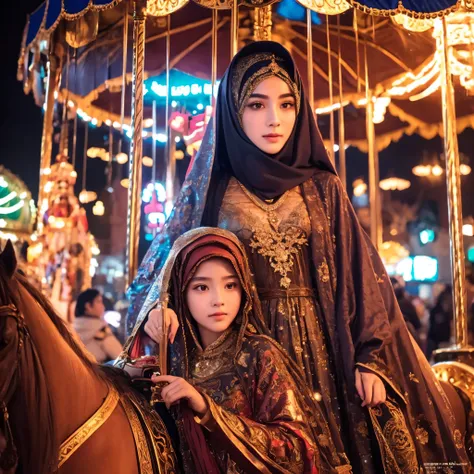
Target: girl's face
[(213, 297), (269, 115)]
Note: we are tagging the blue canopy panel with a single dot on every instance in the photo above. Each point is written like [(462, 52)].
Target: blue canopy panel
[(35, 21), (48, 15), (421, 7)]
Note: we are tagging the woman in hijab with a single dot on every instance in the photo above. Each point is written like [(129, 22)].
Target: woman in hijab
[(244, 405), (263, 173)]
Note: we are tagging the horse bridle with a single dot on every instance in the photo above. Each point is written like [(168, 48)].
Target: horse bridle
[(9, 457)]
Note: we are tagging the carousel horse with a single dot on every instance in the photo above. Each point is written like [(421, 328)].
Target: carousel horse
[(62, 412)]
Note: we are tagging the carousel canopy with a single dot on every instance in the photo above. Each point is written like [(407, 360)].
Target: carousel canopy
[(46, 18), (402, 54)]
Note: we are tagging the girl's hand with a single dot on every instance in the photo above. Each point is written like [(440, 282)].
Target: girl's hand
[(370, 388), (154, 325), (179, 389)]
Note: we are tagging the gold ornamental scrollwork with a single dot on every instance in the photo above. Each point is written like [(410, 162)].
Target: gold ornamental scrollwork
[(411, 13), (326, 7), (164, 7), (413, 24), (257, 3), (263, 24), (215, 4), (227, 4), (459, 375)]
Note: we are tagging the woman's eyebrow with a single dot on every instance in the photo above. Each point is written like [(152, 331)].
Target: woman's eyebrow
[(258, 96), (263, 96)]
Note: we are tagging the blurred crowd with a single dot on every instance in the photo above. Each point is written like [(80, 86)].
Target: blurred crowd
[(431, 321)]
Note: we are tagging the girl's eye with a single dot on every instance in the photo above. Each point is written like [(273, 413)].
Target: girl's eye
[(200, 288), (255, 105), (231, 286), (288, 105)]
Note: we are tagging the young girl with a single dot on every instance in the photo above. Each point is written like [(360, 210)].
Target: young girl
[(250, 410)]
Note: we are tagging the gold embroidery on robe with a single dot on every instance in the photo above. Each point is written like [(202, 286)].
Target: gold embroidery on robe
[(421, 435), (279, 246), (458, 441), (396, 444), (413, 378), (323, 272)]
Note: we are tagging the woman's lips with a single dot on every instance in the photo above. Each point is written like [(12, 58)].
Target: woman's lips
[(272, 137)]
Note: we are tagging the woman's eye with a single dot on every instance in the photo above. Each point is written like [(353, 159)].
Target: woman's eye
[(231, 286), (288, 105), (200, 288), (255, 105)]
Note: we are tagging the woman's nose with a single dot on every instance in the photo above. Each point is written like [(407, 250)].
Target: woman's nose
[(273, 117)]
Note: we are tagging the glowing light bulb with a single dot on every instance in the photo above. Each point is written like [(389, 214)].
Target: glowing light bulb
[(436, 170), (98, 209), (421, 170), (147, 161), (359, 187), (122, 158)]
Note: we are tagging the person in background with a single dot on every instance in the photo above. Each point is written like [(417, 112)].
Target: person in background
[(441, 318), (407, 308), (94, 332), (470, 302)]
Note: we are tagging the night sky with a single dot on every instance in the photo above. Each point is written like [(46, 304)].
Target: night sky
[(21, 124), (21, 120)]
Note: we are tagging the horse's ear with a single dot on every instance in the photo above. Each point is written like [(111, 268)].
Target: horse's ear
[(8, 259)]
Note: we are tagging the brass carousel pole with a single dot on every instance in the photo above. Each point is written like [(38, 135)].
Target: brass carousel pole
[(153, 152), (135, 176), (74, 136), (124, 73), (331, 95), (453, 179), (357, 44), (215, 18), (234, 29), (64, 137), (342, 131), (169, 156), (47, 136), (309, 42), (373, 158)]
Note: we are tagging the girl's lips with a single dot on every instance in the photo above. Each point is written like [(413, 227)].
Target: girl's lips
[(217, 315)]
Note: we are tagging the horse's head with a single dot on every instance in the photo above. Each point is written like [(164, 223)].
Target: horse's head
[(11, 323), (37, 354), (11, 339)]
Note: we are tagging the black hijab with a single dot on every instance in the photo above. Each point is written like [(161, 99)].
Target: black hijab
[(266, 176)]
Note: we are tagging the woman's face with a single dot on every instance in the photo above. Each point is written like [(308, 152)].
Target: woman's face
[(269, 115), (213, 297)]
